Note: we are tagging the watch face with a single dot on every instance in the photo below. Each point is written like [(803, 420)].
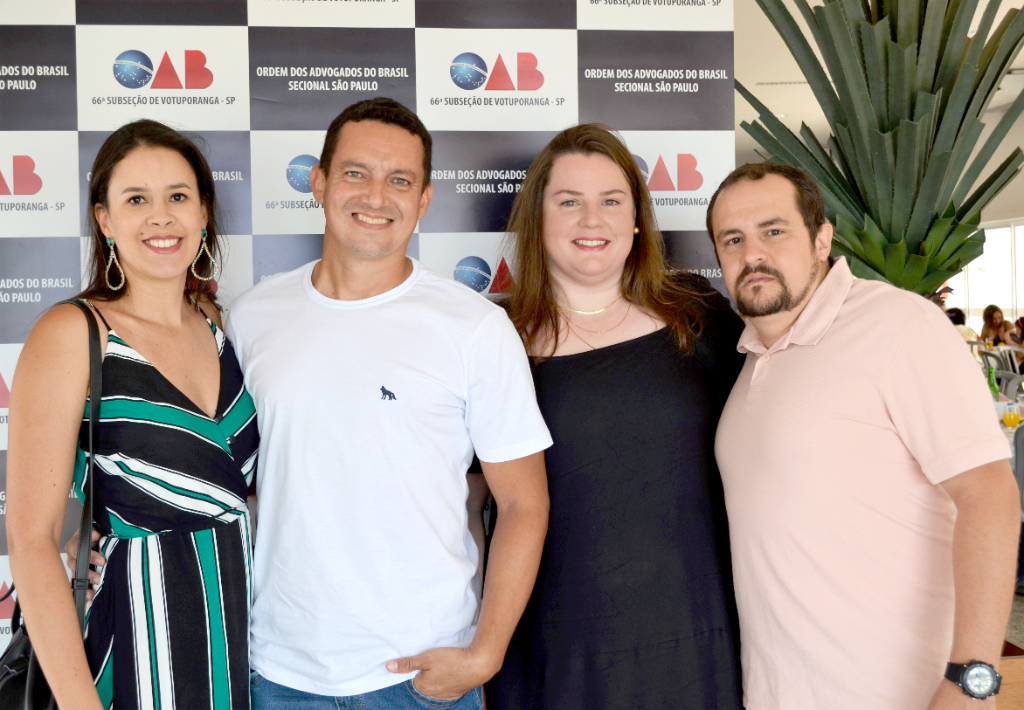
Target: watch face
[(979, 680)]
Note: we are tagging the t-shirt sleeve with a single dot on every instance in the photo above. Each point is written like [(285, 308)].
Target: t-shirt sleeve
[(502, 415), (939, 401)]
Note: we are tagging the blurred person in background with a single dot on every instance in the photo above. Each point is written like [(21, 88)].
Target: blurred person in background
[(995, 329), (959, 321)]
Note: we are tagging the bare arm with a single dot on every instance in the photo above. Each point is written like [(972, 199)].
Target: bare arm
[(47, 402), (984, 570), (521, 493), (520, 490)]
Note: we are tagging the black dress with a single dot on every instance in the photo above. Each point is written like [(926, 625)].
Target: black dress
[(633, 607)]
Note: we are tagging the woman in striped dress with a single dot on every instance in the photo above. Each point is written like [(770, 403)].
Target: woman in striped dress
[(175, 451)]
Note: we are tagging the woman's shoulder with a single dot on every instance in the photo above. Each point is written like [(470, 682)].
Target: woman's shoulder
[(64, 322), (57, 347), (720, 326), (695, 288)]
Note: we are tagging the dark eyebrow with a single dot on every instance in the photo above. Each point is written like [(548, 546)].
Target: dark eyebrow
[(176, 186), (353, 164), (606, 192), (760, 225)]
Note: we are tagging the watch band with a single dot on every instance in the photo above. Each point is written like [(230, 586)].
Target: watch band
[(957, 673)]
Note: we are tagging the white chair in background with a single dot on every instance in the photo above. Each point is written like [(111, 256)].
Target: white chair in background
[(1009, 353)]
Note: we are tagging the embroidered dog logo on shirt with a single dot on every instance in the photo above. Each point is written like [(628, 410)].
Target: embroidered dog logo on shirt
[(385, 393)]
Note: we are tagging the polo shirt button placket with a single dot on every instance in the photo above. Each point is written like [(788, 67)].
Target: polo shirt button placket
[(758, 374)]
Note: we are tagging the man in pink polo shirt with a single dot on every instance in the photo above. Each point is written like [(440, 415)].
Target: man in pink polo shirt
[(872, 511)]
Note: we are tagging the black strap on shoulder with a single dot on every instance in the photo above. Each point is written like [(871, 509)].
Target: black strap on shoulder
[(97, 312), (80, 584)]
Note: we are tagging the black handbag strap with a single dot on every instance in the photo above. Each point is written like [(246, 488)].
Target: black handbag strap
[(80, 584)]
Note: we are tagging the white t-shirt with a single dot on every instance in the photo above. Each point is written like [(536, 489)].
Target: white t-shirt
[(369, 413)]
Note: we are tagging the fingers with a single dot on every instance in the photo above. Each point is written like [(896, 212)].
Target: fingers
[(71, 548), (95, 558), (406, 665)]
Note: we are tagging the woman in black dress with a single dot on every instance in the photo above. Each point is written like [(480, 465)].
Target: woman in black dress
[(633, 606)]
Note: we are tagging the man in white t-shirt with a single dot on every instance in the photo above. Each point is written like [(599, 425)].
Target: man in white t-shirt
[(375, 380)]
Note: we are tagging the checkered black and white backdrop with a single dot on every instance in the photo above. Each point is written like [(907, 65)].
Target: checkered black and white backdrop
[(259, 81)]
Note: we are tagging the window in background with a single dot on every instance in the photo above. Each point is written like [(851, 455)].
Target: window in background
[(991, 279)]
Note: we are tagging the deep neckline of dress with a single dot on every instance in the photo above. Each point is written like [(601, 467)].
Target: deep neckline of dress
[(216, 418), (606, 348)]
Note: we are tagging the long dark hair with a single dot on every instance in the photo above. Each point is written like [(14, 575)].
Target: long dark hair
[(675, 297), (124, 140)]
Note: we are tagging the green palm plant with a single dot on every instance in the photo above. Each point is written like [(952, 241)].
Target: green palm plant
[(904, 104)]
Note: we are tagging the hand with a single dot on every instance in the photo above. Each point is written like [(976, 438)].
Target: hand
[(948, 696), (95, 559), (446, 673)]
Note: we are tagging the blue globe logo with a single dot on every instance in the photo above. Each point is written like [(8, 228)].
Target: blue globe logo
[(133, 69), (642, 164), (298, 172), (473, 272), (469, 71)]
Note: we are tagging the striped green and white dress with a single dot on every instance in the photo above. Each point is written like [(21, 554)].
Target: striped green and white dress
[(169, 624)]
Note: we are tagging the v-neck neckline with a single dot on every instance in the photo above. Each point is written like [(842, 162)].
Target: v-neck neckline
[(216, 419)]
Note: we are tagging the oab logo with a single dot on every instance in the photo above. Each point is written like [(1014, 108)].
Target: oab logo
[(298, 173), (469, 72), (475, 272), (23, 177), (8, 360), (134, 69), (688, 178)]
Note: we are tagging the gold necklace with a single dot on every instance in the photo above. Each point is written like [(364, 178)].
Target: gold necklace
[(573, 331), (589, 345), (608, 330), (591, 313)]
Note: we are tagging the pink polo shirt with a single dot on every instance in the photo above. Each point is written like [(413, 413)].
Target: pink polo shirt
[(830, 447)]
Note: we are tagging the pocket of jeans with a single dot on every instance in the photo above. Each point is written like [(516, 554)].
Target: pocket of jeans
[(254, 679), (426, 699)]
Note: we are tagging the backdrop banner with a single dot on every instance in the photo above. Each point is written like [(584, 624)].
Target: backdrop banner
[(258, 82)]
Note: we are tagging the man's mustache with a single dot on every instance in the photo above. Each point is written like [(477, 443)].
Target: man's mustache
[(759, 269)]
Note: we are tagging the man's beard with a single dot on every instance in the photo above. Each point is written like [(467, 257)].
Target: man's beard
[(783, 300)]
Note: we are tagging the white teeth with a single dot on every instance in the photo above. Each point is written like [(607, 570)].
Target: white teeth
[(162, 243), (371, 220), (590, 242)]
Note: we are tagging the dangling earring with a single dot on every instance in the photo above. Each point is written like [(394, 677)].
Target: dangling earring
[(113, 260), (636, 230), (216, 266)]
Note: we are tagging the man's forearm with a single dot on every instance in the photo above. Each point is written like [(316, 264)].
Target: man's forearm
[(984, 566), (512, 565)]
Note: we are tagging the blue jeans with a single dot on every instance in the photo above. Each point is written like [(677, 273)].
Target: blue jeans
[(267, 695)]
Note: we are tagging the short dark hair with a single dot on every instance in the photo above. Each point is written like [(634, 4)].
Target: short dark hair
[(808, 197), (957, 316), (382, 110), (139, 134)]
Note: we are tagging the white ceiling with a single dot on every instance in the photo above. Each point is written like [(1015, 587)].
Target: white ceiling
[(765, 66)]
